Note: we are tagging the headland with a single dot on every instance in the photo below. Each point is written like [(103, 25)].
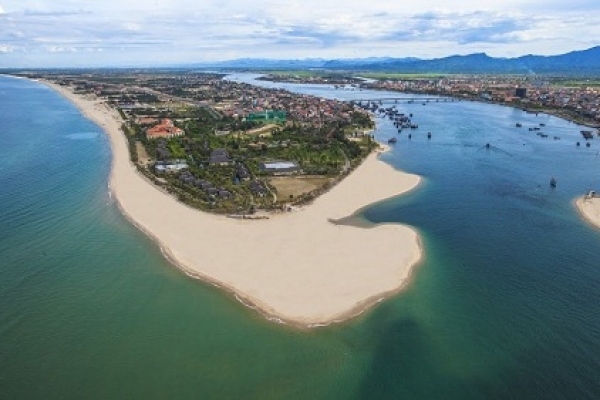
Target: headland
[(297, 268)]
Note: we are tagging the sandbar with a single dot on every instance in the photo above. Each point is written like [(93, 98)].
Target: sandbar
[(590, 209), (298, 268)]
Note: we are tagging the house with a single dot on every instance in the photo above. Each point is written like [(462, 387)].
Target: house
[(242, 173), (187, 177), (225, 194), (219, 157), (258, 188), (206, 185)]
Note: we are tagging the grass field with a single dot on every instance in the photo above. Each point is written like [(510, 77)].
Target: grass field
[(579, 83), (295, 186)]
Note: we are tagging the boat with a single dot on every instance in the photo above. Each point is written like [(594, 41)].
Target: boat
[(552, 182), (587, 135), (519, 125), (392, 140)]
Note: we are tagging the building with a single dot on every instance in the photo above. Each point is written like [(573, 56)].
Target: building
[(280, 167), (170, 166), (267, 116), (165, 129), (219, 157), (242, 173), (521, 93), (258, 188)]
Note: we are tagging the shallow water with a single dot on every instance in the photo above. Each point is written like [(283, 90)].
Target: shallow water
[(504, 305)]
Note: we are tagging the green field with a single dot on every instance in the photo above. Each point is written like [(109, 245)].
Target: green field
[(404, 76), (578, 83)]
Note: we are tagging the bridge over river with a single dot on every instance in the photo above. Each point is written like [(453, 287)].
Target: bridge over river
[(405, 99)]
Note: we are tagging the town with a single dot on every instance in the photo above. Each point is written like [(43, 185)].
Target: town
[(578, 101), (574, 99)]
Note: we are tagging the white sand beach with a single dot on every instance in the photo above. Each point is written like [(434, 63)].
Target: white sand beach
[(296, 268), (590, 209)]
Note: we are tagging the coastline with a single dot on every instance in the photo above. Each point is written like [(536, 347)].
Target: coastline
[(589, 210), (297, 269)]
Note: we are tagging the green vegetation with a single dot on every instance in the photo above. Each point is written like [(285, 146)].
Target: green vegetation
[(583, 83), (325, 151)]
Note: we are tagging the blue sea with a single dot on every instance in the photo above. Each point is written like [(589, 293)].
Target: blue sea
[(505, 304)]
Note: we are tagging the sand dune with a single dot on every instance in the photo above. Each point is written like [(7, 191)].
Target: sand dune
[(297, 268)]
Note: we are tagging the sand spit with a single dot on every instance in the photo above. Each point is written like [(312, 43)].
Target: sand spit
[(590, 209), (296, 268)]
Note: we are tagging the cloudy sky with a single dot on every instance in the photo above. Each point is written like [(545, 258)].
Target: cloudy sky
[(158, 32)]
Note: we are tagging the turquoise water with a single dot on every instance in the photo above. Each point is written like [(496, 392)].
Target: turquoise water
[(505, 304)]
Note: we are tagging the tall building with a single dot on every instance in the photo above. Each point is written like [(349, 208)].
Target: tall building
[(521, 92)]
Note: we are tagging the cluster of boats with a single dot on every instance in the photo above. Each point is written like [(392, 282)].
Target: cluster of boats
[(400, 120), (537, 130)]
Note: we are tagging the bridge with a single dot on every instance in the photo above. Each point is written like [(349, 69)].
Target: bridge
[(405, 100)]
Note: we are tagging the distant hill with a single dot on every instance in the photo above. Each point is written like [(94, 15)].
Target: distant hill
[(576, 62), (585, 61)]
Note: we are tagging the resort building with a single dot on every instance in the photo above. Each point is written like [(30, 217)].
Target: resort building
[(165, 129), (219, 157)]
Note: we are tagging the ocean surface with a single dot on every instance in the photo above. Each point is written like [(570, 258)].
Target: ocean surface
[(505, 305)]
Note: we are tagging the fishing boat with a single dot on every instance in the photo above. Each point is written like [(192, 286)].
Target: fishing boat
[(392, 140)]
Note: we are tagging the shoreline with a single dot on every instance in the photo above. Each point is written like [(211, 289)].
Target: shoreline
[(298, 269), (589, 209)]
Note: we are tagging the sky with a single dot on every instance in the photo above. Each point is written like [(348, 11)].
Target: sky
[(96, 33)]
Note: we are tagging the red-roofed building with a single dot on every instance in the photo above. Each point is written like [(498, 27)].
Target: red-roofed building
[(165, 129)]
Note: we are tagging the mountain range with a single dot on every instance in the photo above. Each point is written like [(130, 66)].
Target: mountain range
[(575, 62)]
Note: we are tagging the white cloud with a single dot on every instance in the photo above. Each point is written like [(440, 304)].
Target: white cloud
[(136, 31), (60, 49)]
